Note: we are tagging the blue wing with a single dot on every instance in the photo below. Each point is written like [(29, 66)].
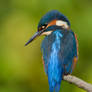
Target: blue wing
[(68, 51), (46, 50)]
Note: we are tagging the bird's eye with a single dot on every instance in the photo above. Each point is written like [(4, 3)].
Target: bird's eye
[(42, 27)]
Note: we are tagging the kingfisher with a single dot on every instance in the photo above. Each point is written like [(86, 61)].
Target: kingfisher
[(59, 47)]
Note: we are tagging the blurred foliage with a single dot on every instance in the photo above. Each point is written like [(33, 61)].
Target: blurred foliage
[(21, 68)]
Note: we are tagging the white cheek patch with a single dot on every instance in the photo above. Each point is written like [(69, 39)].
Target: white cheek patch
[(62, 23), (47, 33)]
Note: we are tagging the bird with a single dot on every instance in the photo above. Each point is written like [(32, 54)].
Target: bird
[(59, 47)]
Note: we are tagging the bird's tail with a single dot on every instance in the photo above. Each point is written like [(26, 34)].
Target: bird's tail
[(55, 80), (57, 87)]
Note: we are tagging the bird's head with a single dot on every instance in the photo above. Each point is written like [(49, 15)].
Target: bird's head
[(49, 22)]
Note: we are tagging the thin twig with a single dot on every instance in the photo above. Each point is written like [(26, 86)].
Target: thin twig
[(78, 82)]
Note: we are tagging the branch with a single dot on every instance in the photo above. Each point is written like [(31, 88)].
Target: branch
[(78, 82)]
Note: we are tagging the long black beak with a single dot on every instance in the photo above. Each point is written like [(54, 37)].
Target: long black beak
[(35, 36)]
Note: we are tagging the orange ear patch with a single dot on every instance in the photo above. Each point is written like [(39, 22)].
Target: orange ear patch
[(53, 22)]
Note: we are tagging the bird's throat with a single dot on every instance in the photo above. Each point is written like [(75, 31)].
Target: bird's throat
[(47, 33)]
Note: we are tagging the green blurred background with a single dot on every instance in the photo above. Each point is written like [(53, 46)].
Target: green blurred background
[(21, 68)]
